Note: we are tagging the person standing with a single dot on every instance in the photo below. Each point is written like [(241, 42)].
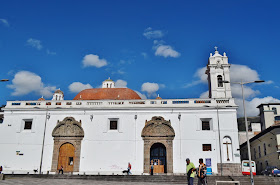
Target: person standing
[(190, 171), (128, 169), (152, 169), (1, 169), (201, 174)]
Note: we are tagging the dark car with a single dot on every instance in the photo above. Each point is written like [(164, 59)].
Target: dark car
[(271, 171)]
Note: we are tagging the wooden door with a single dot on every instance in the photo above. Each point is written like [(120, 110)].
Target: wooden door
[(66, 157)]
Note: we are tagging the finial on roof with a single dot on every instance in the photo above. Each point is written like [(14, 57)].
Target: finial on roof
[(216, 48), (225, 54), (211, 54)]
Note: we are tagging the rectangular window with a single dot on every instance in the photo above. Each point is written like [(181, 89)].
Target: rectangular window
[(205, 125), (255, 153), (113, 125), (48, 103), (260, 155), (58, 103), (206, 147), (27, 125), (68, 103), (15, 103), (264, 149)]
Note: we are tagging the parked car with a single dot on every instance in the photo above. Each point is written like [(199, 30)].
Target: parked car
[(271, 171)]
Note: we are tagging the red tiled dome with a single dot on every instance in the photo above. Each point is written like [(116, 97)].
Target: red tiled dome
[(107, 94)]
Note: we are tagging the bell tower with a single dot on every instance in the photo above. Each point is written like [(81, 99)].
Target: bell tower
[(218, 72), (108, 83)]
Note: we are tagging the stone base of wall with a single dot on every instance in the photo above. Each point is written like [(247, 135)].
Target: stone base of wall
[(231, 169)]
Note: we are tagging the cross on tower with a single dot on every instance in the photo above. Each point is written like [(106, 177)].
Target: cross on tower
[(216, 48)]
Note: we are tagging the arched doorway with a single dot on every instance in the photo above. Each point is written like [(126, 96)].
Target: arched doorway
[(67, 136), (158, 135), (66, 157), (158, 156)]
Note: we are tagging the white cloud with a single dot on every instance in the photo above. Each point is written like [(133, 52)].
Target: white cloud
[(94, 60), (248, 91), (204, 94), (149, 33), (25, 82), (77, 87), (4, 22), (242, 72), (251, 109), (120, 84), (34, 43), (142, 96), (166, 51), (150, 88), (50, 52), (145, 55)]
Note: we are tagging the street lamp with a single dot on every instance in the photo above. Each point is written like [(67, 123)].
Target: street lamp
[(246, 124)]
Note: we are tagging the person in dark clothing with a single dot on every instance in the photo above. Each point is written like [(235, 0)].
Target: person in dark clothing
[(201, 173), (60, 170), (152, 169)]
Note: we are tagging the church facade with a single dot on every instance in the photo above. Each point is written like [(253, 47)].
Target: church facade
[(103, 129)]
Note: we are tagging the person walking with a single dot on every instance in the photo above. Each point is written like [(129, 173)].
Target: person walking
[(190, 171), (201, 173), (60, 170), (129, 169)]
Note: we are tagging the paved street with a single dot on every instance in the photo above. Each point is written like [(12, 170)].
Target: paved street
[(38, 181)]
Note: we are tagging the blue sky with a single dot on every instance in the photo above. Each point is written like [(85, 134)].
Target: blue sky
[(46, 45)]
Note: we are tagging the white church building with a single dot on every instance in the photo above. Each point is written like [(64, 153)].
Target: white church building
[(103, 129)]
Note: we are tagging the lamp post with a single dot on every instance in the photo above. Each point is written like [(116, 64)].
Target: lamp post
[(219, 132), (246, 124)]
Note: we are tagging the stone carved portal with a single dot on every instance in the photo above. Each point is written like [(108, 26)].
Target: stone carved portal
[(160, 131), (68, 135)]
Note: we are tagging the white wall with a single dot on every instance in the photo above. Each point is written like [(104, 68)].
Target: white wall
[(107, 151)]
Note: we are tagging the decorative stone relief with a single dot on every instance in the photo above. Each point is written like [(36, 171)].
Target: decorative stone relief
[(158, 130), (67, 131)]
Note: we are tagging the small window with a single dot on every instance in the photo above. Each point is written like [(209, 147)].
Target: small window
[(27, 125), (206, 147), (220, 81), (48, 103), (58, 103), (71, 161), (113, 125), (264, 149), (205, 125), (68, 103), (255, 153), (260, 155), (274, 110)]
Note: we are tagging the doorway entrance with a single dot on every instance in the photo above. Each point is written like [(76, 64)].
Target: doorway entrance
[(66, 157), (158, 135), (158, 158)]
